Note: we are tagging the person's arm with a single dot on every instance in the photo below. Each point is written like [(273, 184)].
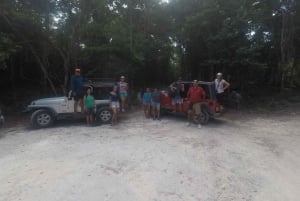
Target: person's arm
[(72, 85), (172, 86), (226, 85), (84, 105), (95, 107), (182, 87), (188, 93)]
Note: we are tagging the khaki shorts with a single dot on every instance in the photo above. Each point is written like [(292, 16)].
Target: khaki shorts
[(195, 107)]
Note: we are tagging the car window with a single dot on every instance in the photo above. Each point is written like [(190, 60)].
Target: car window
[(186, 89), (101, 93), (206, 89)]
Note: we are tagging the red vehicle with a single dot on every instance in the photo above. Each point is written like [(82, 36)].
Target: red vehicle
[(209, 108)]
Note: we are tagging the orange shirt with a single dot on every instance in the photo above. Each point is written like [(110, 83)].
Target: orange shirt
[(196, 94)]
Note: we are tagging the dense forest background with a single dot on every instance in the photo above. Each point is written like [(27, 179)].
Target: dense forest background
[(255, 43)]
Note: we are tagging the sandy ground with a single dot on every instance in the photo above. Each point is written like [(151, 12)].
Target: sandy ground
[(237, 157)]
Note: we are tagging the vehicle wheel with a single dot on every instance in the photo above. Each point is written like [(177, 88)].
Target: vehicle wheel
[(41, 118), (104, 115), (204, 117)]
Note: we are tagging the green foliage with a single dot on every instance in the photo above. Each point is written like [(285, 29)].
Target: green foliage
[(7, 47), (138, 38)]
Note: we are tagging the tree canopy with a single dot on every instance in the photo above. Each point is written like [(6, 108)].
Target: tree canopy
[(149, 41)]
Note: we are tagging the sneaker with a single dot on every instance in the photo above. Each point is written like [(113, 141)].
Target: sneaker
[(199, 126), (158, 119)]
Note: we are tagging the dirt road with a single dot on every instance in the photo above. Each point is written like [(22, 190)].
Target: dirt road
[(237, 157)]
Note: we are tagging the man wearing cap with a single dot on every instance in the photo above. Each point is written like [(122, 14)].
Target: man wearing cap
[(123, 88), (77, 89), (195, 95), (176, 89), (221, 86)]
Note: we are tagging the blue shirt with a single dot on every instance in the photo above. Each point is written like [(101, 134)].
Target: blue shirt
[(156, 97), (114, 97), (147, 97), (77, 84)]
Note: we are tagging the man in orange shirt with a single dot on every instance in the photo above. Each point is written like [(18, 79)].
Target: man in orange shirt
[(196, 95)]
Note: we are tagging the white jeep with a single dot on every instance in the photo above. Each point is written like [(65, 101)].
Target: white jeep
[(44, 112)]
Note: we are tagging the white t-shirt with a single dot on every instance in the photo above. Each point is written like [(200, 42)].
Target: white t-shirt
[(220, 85)]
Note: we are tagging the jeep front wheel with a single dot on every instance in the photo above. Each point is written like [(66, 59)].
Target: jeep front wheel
[(104, 115), (41, 118)]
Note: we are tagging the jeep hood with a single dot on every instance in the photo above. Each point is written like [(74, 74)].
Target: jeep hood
[(49, 101)]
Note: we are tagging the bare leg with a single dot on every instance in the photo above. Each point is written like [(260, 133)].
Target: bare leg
[(114, 117), (145, 111), (123, 102), (87, 120), (75, 106), (158, 112), (180, 107), (91, 119), (154, 112), (148, 110), (190, 115), (81, 105)]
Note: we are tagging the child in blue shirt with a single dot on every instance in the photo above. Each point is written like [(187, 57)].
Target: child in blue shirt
[(147, 102)]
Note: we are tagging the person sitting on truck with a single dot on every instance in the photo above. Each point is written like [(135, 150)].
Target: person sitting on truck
[(176, 89), (77, 89), (195, 95)]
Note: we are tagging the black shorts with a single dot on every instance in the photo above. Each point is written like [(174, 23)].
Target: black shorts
[(89, 111), (220, 98), (78, 97)]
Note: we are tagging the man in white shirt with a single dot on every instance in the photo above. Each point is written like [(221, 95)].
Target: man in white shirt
[(221, 86)]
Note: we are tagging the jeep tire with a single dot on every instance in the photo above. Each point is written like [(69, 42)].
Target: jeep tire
[(41, 118), (104, 115), (204, 117)]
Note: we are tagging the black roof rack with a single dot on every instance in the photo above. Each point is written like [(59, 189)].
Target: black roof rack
[(95, 80)]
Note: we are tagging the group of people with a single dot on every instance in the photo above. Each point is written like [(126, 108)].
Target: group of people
[(118, 95), (86, 100), (151, 99), (151, 102), (196, 95)]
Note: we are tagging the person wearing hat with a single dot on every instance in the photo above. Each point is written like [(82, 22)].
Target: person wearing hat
[(123, 92), (77, 89), (221, 86), (176, 89)]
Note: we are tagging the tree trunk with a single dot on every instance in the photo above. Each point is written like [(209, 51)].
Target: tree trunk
[(287, 49), (35, 54)]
